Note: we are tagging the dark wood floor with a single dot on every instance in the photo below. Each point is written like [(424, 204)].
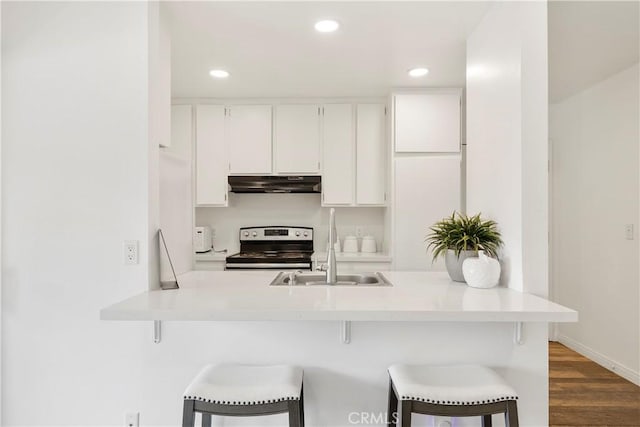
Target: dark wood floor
[(583, 393)]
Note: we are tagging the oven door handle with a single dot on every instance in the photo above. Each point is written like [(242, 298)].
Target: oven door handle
[(263, 265)]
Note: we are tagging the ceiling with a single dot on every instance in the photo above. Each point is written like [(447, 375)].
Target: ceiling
[(272, 50), (588, 42)]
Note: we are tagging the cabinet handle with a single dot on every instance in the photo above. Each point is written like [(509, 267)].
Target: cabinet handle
[(229, 165)]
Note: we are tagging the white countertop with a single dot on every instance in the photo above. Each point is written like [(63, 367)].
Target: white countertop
[(211, 256), (414, 296), (354, 257)]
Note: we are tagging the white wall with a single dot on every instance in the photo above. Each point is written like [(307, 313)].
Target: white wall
[(77, 154), (507, 136), (595, 137), (248, 210), (74, 187)]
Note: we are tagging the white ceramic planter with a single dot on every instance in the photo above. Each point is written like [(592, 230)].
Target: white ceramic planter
[(454, 263), (481, 272)]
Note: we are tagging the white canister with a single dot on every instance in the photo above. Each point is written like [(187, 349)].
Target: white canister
[(369, 245), (350, 244), (336, 246), (481, 272)]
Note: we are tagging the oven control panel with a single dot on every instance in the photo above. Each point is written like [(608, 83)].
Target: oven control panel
[(276, 233)]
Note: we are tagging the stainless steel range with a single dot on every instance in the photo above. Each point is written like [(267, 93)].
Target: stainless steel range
[(276, 247)]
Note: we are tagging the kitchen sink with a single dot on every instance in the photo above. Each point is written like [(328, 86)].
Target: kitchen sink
[(315, 279)]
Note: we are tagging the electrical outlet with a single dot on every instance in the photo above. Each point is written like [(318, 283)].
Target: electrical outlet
[(628, 231), (132, 419), (130, 252), (358, 231)]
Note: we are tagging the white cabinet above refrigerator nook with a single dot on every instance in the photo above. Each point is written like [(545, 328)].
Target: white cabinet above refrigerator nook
[(428, 121)]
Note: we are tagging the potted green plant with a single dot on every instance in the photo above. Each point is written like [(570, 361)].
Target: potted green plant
[(459, 237)]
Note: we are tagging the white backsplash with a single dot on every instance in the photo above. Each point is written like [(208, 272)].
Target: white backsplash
[(247, 210)]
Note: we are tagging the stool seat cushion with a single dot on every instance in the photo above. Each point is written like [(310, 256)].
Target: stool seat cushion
[(231, 384), (450, 385)]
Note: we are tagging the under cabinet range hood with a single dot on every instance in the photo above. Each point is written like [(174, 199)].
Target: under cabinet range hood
[(275, 184)]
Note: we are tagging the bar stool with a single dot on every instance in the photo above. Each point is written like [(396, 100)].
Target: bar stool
[(242, 390), (455, 391)]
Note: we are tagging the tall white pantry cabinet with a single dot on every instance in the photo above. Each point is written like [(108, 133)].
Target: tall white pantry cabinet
[(427, 165)]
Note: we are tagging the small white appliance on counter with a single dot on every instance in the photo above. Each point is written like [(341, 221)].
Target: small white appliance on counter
[(202, 239)]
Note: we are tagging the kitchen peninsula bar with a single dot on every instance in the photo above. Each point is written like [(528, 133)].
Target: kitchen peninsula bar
[(423, 318)]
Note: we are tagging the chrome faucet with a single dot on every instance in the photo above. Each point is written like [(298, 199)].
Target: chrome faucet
[(330, 267)]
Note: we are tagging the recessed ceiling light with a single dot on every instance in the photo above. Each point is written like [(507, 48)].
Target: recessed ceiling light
[(220, 74), (418, 72), (327, 26)]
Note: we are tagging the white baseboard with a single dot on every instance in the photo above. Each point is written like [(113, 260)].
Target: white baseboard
[(601, 359)]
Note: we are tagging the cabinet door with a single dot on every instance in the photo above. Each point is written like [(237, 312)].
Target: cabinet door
[(427, 123), (427, 189), (181, 131), (297, 142), (248, 137), (338, 155), (211, 158), (371, 168)]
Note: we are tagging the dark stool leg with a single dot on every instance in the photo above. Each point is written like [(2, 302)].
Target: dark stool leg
[(392, 410), (294, 413), (405, 413), (206, 420), (188, 414), (301, 405), (511, 416), (486, 421)]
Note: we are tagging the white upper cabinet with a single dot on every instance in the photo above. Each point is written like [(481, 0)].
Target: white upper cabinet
[(371, 167), (181, 131), (297, 139), (338, 155), (211, 157), (428, 122), (248, 139)]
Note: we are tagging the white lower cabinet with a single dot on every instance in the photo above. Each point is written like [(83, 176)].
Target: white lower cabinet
[(427, 189), (211, 156), (371, 165), (338, 155)]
